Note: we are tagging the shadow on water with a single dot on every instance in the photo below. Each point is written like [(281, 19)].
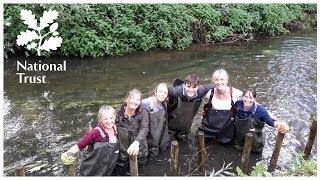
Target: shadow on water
[(43, 120)]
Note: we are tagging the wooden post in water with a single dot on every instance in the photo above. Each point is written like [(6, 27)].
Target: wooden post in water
[(201, 152), (312, 135), (246, 152), (71, 169), (276, 151), (133, 165), (19, 170), (174, 158)]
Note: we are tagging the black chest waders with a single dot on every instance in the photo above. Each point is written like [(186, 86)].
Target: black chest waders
[(158, 136), (128, 130), (101, 160), (218, 123), (246, 125), (182, 117)]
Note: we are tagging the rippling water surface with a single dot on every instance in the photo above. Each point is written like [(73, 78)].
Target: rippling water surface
[(42, 121)]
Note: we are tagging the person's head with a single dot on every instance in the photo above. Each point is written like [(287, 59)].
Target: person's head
[(133, 99), (220, 79), (107, 116), (191, 85), (161, 92), (249, 97)]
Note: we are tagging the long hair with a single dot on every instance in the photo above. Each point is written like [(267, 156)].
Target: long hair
[(132, 93)]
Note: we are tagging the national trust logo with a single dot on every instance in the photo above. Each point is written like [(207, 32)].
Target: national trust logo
[(37, 37)]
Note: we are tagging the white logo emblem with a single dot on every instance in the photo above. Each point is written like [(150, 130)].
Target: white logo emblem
[(35, 35)]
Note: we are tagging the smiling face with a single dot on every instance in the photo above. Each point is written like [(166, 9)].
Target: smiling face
[(161, 92), (220, 82), (107, 118), (248, 99), (190, 89), (220, 79), (134, 101)]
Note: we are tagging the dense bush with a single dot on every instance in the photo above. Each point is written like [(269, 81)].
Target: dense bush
[(117, 29)]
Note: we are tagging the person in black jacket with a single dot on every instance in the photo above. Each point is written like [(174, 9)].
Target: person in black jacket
[(132, 123), (185, 98)]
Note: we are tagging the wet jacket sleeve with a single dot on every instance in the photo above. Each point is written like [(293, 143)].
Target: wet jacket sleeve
[(264, 115), (89, 137), (144, 127), (203, 90), (173, 98)]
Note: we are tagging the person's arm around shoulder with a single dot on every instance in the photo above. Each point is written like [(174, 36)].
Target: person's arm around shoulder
[(236, 94), (172, 91), (207, 96)]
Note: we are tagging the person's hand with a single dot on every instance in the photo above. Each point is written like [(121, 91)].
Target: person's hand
[(67, 159), (133, 148), (282, 127)]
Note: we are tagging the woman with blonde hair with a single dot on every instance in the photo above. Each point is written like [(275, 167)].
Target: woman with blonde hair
[(102, 143), (217, 121), (132, 123)]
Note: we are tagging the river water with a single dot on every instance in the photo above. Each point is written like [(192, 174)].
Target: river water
[(43, 120)]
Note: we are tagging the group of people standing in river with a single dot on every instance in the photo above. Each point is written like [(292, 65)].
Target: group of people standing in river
[(143, 127)]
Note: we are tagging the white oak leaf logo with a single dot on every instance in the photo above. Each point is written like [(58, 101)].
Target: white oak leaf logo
[(51, 44), (53, 27), (48, 18), (28, 19), (26, 37), (29, 36)]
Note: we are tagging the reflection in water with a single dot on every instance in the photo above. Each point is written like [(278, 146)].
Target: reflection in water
[(43, 120)]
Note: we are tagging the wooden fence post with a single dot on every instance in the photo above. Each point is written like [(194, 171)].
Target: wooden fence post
[(133, 165), (246, 152), (19, 170), (312, 135), (71, 169), (174, 158), (201, 152), (276, 151)]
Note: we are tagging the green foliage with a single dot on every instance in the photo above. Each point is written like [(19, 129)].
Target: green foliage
[(257, 170), (300, 167), (207, 20), (240, 20), (221, 33), (118, 29), (274, 16)]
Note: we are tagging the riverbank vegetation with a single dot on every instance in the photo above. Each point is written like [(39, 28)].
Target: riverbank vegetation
[(299, 167), (118, 29)]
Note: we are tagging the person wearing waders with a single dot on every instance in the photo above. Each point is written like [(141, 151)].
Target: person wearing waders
[(158, 137), (185, 98), (217, 122), (251, 117), (102, 146), (132, 124)]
